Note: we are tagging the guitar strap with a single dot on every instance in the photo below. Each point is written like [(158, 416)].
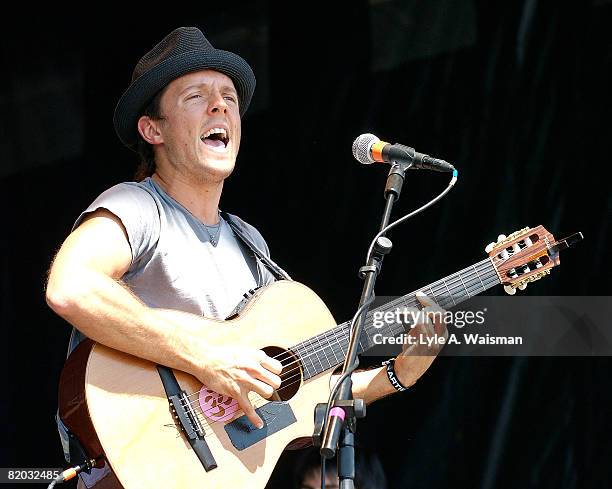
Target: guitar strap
[(257, 254)]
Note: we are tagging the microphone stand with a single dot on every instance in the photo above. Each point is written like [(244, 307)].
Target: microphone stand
[(344, 411)]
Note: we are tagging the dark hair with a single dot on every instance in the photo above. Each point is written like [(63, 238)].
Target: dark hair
[(146, 166), (369, 473)]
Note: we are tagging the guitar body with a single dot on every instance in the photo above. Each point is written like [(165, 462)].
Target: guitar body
[(116, 405)]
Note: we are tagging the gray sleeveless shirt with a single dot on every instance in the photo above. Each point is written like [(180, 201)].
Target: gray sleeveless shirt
[(174, 263)]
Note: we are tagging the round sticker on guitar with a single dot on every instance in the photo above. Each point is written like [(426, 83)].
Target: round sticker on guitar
[(215, 406)]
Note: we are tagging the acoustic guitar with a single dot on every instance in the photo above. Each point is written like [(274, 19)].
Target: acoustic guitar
[(149, 429)]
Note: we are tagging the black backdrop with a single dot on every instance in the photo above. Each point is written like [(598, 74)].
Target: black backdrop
[(514, 93)]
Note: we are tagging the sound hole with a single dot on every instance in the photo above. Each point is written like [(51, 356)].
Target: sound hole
[(291, 375)]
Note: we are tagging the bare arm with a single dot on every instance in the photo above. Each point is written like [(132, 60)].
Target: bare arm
[(84, 288)]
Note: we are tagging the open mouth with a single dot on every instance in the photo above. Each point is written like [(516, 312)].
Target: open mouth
[(215, 138)]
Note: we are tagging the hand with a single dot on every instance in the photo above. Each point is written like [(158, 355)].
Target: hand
[(416, 358), (235, 372)]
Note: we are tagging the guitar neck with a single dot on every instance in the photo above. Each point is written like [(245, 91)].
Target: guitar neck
[(326, 351)]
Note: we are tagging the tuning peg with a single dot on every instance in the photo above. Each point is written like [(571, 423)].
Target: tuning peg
[(509, 290), (522, 286), (492, 244)]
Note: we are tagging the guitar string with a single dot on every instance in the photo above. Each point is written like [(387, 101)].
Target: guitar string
[(311, 349), (490, 281), (260, 398), (285, 379), (254, 401), (208, 422), (341, 330)]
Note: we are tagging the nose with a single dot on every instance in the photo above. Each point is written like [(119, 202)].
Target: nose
[(217, 103)]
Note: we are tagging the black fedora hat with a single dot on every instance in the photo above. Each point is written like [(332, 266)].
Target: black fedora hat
[(182, 51)]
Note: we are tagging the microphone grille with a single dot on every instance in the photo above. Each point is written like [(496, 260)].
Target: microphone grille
[(362, 146)]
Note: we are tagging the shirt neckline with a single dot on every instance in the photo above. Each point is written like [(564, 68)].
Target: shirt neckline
[(217, 226)]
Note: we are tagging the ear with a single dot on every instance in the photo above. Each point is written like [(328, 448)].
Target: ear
[(149, 130)]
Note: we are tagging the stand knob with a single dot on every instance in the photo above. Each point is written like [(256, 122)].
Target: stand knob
[(383, 245)]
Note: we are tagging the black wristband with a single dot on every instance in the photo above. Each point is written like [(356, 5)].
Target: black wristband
[(390, 364)]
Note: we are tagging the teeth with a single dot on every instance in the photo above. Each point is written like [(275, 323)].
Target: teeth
[(214, 130)]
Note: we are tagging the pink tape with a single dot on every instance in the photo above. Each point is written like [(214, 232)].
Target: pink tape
[(337, 411)]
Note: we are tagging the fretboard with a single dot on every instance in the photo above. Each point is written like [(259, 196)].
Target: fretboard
[(327, 350)]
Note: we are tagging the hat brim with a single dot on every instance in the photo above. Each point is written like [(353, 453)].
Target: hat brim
[(142, 90)]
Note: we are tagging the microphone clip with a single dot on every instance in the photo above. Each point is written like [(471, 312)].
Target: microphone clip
[(395, 179)]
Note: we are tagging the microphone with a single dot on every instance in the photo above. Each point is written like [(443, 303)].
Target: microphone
[(368, 149)]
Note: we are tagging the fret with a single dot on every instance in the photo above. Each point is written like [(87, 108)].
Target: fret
[(369, 329), (459, 283), (329, 346), (449, 293), (391, 332), (312, 359), (312, 355), (304, 357), (368, 339), (316, 352), (463, 283), (322, 351), (413, 300), (471, 286), (452, 279), (342, 341), (346, 339), (478, 274), (474, 286), (433, 295), (339, 345)]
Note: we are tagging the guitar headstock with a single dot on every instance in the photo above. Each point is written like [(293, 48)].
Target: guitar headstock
[(526, 256)]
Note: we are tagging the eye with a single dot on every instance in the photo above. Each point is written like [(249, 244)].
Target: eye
[(195, 95), (231, 98)]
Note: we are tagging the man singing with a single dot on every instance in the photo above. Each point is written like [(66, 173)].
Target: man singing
[(152, 266)]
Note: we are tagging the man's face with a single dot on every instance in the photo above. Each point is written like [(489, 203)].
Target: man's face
[(200, 128)]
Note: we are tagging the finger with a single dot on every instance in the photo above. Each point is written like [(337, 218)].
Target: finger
[(417, 329), (259, 387), (270, 363), (270, 379), (249, 410), (425, 300), (434, 315), (420, 332), (410, 316), (429, 322), (439, 320)]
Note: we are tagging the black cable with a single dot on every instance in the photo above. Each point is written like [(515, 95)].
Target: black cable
[(323, 474), (71, 472)]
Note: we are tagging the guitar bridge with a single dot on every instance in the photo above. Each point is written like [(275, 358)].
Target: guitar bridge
[(187, 418)]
